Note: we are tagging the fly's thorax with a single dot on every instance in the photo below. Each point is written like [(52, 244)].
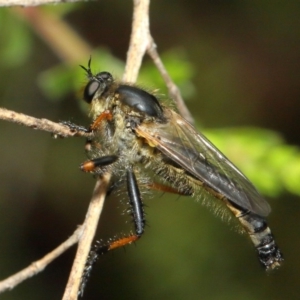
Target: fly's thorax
[(101, 104), (117, 136), (97, 107)]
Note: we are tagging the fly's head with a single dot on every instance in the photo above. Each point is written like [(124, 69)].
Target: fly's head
[(96, 92), (123, 100)]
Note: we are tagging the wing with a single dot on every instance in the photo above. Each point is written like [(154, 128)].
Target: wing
[(180, 142)]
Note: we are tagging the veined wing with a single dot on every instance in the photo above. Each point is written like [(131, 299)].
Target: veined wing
[(180, 142)]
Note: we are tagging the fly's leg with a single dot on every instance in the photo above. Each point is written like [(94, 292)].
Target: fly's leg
[(256, 226), (91, 165), (74, 127), (104, 116), (138, 215), (136, 204)]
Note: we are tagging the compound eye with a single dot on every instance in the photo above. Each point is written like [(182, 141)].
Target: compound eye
[(90, 90)]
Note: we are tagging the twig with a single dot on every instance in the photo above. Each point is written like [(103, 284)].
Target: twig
[(39, 124), (32, 2), (174, 92), (89, 229), (39, 265), (139, 40)]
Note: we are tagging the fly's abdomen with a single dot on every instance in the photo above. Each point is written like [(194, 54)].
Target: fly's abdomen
[(256, 226)]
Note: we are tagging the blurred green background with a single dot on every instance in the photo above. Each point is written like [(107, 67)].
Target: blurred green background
[(238, 66)]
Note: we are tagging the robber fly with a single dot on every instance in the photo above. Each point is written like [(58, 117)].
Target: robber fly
[(132, 133)]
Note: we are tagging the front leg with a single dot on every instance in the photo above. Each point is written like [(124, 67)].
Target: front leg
[(75, 128), (104, 116), (138, 216)]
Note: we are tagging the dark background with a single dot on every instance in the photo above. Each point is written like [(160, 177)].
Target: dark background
[(246, 60)]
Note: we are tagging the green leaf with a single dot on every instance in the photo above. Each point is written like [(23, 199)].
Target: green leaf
[(56, 82), (262, 155), (178, 67)]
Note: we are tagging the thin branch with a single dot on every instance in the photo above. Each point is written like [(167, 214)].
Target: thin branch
[(39, 124), (89, 229), (32, 2), (174, 91), (139, 40), (39, 265)]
